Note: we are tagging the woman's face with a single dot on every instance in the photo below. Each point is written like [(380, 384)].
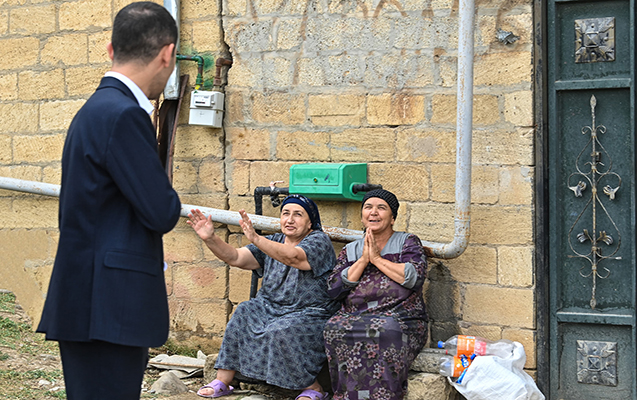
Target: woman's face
[(295, 223), (376, 215)]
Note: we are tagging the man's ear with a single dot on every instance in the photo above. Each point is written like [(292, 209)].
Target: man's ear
[(109, 49), (167, 53)]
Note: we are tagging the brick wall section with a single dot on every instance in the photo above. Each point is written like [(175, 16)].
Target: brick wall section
[(319, 81)]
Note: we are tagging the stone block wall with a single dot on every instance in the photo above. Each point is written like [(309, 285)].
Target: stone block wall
[(311, 81)]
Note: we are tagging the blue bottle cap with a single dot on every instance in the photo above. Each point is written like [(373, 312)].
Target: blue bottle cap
[(441, 344)]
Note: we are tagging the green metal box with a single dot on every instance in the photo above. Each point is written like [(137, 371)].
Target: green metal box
[(328, 181)]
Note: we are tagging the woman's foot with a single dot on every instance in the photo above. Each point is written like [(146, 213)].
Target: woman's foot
[(311, 394), (214, 389)]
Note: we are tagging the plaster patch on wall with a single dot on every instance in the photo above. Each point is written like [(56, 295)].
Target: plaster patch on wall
[(427, 146)]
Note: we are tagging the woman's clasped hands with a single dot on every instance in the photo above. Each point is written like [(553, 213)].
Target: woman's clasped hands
[(371, 252)]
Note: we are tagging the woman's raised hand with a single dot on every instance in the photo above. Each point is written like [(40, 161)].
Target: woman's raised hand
[(203, 226), (365, 256), (247, 227), (372, 248), (356, 270)]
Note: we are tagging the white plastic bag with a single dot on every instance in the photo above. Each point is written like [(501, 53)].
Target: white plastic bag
[(495, 378)]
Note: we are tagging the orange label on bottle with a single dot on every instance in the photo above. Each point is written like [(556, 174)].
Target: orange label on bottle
[(459, 365), (469, 345), (466, 345)]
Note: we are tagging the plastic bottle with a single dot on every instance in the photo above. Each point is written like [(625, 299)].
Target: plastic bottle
[(453, 366), (468, 345)]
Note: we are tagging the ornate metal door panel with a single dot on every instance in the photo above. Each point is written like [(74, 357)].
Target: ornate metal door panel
[(591, 169)]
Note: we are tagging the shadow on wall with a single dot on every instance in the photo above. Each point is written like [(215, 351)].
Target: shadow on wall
[(442, 296)]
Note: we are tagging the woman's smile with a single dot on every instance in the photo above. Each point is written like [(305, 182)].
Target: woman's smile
[(377, 215)]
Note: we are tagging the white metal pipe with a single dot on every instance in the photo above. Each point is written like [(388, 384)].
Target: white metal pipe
[(464, 126), (171, 91), (268, 224), (264, 223), (46, 189)]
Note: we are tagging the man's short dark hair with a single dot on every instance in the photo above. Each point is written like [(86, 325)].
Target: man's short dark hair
[(140, 31)]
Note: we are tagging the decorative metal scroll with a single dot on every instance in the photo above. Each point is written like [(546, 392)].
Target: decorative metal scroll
[(598, 175), (595, 40), (597, 362)]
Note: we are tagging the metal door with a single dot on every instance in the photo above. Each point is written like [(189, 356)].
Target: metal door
[(590, 163)]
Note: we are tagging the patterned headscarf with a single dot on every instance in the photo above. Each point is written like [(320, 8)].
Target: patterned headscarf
[(386, 195), (309, 206)]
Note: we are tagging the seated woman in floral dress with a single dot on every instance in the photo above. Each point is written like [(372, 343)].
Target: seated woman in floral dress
[(382, 326), (277, 337)]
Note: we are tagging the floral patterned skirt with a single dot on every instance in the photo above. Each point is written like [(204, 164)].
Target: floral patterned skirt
[(369, 355)]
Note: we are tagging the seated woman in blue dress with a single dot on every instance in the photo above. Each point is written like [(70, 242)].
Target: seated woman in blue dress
[(382, 326), (277, 337)]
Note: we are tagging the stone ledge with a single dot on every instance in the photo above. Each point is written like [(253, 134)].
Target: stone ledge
[(427, 361), (425, 383)]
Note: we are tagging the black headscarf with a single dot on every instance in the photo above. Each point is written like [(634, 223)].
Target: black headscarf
[(386, 195), (309, 206)]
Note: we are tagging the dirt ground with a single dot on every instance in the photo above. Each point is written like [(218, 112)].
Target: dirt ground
[(30, 367)]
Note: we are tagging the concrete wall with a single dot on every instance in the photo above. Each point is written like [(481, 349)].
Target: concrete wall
[(312, 81)]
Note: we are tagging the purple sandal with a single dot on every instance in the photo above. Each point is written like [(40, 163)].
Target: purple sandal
[(312, 394), (219, 388)]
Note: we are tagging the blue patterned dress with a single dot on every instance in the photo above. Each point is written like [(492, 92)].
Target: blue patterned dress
[(382, 326), (277, 337)]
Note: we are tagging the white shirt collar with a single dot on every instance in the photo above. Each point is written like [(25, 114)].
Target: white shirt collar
[(141, 98)]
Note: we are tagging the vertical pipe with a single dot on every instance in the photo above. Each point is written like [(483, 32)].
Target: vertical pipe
[(258, 210), (464, 126), (464, 120), (171, 91)]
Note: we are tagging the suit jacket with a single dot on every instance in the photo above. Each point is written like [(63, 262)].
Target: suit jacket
[(116, 202)]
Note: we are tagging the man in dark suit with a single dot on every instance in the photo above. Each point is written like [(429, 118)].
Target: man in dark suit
[(106, 302)]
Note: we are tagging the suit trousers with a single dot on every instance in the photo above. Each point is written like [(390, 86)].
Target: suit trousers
[(100, 370)]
